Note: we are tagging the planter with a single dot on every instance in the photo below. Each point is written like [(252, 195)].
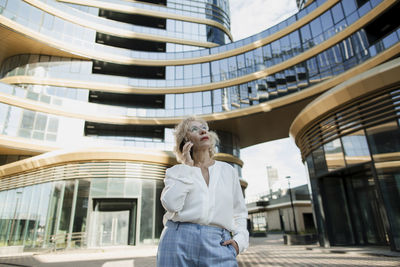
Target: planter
[(300, 239)]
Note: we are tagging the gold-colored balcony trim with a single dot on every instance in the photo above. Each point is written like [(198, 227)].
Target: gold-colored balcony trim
[(88, 155), (13, 43), (112, 30), (55, 156), (153, 13), (228, 158), (260, 108), (352, 88), (10, 145), (124, 60)]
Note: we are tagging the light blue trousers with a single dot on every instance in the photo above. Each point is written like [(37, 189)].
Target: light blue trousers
[(194, 245)]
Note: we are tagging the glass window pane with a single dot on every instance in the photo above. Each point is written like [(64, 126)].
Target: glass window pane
[(355, 148), (384, 139), (28, 118), (326, 20), (349, 6), (179, 72), (81, 207), (148, 210), (40, 123), (319, 161), (66, 212), (207, 98), (334, 155), (316, 28), (337, 13)]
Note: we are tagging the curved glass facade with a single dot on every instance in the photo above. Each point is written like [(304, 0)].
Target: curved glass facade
[(352, 156), (94, 76), (101, 209), (342, 56)]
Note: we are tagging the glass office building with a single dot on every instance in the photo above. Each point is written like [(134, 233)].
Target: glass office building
[(90, 92)]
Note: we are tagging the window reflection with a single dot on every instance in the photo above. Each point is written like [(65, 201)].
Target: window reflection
[(334, 155), (319, 161), (355, 148), (384, 140)]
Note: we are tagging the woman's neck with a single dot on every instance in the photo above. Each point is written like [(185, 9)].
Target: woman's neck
[(201, 158)]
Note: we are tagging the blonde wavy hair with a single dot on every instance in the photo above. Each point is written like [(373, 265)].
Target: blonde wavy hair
[(180, 134)]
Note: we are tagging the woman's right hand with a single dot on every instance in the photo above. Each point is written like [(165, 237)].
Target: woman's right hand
[(187, 158)]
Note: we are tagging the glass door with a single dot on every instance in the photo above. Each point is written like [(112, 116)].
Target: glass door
[(113, 228), (114, 222), (352, 208)]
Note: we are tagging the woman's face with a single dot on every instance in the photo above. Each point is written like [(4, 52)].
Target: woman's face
[(198, 134)]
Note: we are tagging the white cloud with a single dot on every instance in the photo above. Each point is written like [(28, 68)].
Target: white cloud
[(251, 17), (281, 154)]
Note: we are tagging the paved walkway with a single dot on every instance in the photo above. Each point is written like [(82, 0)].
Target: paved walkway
[(268, 251)]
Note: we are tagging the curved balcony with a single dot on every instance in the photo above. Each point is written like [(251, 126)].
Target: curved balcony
[(53, 34), (195, 10), (120, 29), (297, 81)]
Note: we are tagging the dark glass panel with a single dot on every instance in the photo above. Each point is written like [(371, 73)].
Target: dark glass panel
[(319, 161), (336, 211), (66, 209), (384, 139), (366, 201), (384, 24), (147, 215), (81, 207), (389, 181), (310, 166), (159, 211), (54, 207)]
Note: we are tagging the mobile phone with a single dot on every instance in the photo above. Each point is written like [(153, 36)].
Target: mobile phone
[(181, 148)]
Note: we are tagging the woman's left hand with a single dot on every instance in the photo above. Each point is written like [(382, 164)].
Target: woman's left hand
[(233, 243)]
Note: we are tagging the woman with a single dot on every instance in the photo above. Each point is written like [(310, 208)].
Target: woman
[(205, 222)]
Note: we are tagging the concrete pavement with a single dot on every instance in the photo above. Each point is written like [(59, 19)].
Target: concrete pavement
[(268, 251)]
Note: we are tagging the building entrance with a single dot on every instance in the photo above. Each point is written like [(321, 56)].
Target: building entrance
[(352, 208), (114, 222)]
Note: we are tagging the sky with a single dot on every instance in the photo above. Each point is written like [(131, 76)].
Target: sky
[(249, 17)]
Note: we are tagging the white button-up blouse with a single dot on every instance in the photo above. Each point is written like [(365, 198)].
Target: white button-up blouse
[(187, 198)]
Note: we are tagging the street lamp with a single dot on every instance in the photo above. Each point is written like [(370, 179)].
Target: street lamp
[(291, 203)]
